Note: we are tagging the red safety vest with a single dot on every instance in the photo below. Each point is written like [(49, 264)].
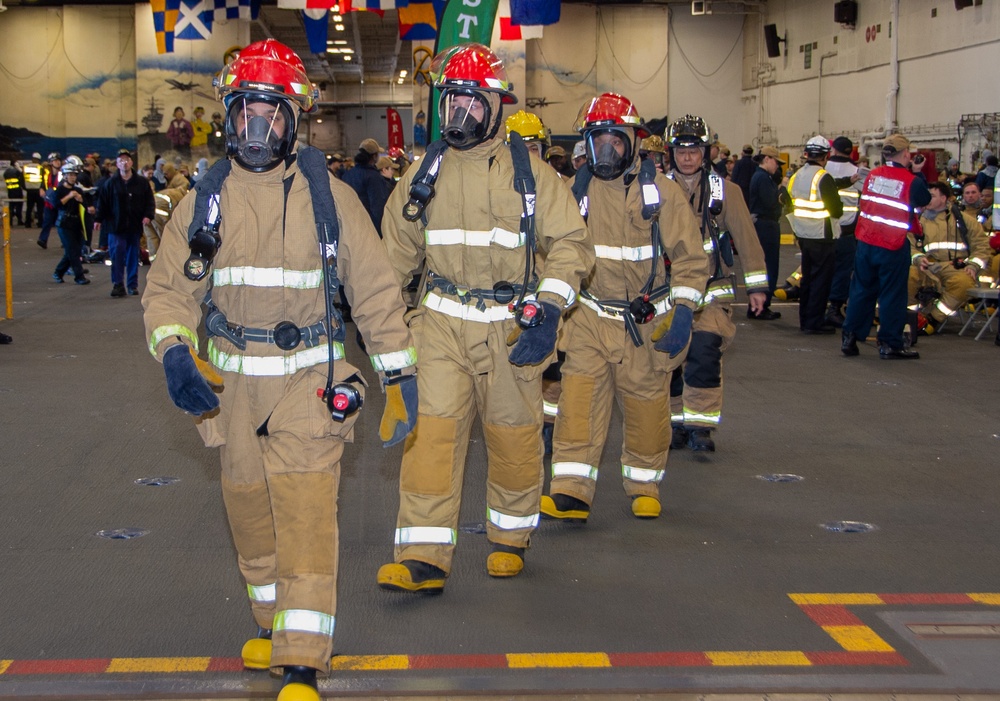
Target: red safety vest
[(884, 214)]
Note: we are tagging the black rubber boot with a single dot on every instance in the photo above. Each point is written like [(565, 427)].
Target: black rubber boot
[(564, 508), (849, 345), (679, 436), (412, 576), (700, 440)]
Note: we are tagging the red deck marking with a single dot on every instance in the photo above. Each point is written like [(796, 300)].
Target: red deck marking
[(58, 666), (829, 615), (659, 659), (458, 661), (926, 599), (857, 659), (226, 664)]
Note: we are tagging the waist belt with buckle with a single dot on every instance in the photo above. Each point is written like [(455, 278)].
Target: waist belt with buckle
[(285, 335), (503, 292), (622, 308)]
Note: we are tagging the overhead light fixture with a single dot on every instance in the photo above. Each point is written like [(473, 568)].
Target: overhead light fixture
[(347, 51), (347, 58), (339, 41), (403, 74), (339, 27), (338, 18), (319, 121), (333, 51), (400, 81)]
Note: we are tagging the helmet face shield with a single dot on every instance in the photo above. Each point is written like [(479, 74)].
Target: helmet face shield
[(260, 130), (465, 117), (609, 151)]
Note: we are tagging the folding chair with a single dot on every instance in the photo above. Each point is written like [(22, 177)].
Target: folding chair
[(983, 296)]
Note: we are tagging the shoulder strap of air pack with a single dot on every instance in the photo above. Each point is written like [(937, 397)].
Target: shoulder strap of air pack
[(581, 183), (524, 183), (422, 185), (205, 188), (312, 163)]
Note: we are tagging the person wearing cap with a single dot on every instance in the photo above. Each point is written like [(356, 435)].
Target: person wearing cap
[(368, 182), (398, 157), (815, 215), (743, 171), (217, 136), (720, 159), (765, 204), (579, 155), (953, 176), (559, 159), (125, 206), (389, 171), (335, 164), (849, 182), (34, 178), (950, 252), (886, 218)]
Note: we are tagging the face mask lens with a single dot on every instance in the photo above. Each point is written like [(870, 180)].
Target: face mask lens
[(262, 132), (464, 117), (603, 157)]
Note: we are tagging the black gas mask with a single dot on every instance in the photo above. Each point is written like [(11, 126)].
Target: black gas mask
[(603, 156), (260, 130), (466, 118)]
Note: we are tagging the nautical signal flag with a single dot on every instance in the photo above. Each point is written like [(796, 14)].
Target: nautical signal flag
[(164, 21), (308, 4), (512, 31), (532, 12), (417, 20), (236, 9), (317, 24), (194, 20)]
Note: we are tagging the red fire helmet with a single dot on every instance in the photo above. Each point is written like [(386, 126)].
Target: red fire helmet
[(268, 67), (610, 110), (472, 66)]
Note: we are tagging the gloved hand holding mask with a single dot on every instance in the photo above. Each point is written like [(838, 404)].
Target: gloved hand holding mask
[(535, 344)]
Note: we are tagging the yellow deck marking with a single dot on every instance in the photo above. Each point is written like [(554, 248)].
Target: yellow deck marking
[(4, 664), (158, 664), (990, 599), (858, 639), (557, 659), (787, 239), (837, 599), (773, 658), (370, 662)]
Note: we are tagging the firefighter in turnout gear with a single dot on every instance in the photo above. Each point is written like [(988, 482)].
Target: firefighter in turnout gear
[(14, 181), (486, 327), (947, 256), (34, 189), (718, 205), (815, 219), (264, 237), (631, 326), (533, 133)]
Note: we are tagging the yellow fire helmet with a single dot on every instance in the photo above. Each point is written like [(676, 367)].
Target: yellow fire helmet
[(529, 126), (652, 144)]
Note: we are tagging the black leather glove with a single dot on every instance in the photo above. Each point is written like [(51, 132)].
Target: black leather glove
[(536, 344), (190, 380)]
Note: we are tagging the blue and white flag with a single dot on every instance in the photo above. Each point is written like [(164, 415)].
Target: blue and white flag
[(236, 9), (317, 24), (194, 20)]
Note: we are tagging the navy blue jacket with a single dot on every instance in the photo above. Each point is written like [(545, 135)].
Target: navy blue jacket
[(372, 189), (764, 194)]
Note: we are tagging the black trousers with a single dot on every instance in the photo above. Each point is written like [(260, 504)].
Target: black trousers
[(769, 235), (819, 260)]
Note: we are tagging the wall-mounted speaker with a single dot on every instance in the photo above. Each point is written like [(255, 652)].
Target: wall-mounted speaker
[(772, 40), (846, 12)]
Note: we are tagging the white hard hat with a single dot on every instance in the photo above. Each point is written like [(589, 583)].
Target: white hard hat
[(580, 149), (818, 144)]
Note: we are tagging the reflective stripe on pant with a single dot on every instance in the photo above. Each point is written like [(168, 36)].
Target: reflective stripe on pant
[(601, 360), (700, 402), (280, 491), (463, 366), (954, 287)]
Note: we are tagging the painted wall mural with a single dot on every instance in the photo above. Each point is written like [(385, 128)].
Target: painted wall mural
[(175, 100)]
